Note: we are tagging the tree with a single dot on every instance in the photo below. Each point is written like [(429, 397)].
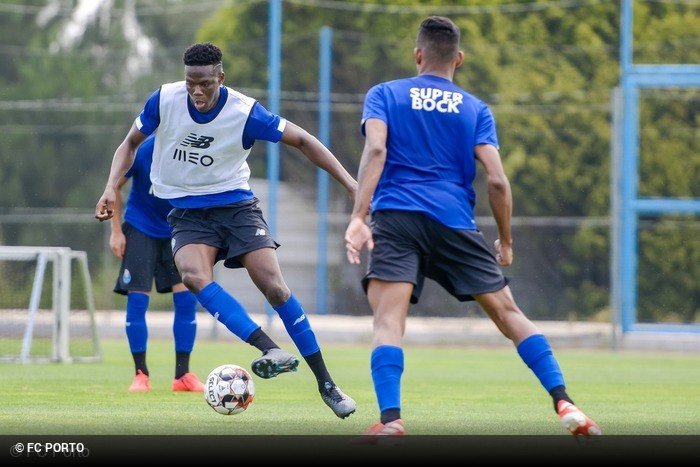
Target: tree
[(548, 75)]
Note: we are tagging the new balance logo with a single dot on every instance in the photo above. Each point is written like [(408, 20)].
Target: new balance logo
[(195, 158), (260, 233), (299, 320), (196, 141)]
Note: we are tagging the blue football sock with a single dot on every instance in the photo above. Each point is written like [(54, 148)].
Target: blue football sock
[(185, 322), (136, 330), (227, 310), (537, 354), (298, 326), (387, 367)]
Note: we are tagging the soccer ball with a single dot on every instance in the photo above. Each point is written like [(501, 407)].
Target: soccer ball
[(229, 389)]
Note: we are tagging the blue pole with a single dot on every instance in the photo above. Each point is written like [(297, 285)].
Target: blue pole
[(626, 37), (274, 79), (628, 240), (628, 176), (615, 215), (324, 123), (273, 92)]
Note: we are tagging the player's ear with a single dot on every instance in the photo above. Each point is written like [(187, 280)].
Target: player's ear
[(418, 55), (460, 59), (222, 77)]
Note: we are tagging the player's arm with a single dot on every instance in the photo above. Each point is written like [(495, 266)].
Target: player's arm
[(358, 234), (319, 155), (117, 240), (500, 199), (122, 161)]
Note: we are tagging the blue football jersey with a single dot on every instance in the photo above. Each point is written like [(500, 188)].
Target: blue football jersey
[(143, 210), (433, 127)]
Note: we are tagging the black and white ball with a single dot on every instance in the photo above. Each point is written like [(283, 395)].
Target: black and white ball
[(229, 389)]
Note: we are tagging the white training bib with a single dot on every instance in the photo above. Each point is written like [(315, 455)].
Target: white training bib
[(191, 158)]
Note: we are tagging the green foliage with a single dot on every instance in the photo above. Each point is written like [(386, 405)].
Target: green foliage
[(669, 271), (64, 109), (548, 76)]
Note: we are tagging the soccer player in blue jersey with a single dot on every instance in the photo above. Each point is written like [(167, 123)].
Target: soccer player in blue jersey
[(204, 133), (423, 138), (142, 242)]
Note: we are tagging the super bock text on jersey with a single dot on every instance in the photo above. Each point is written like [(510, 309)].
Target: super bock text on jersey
[(434, 99)]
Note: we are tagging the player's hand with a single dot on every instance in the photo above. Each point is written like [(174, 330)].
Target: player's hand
[(504, 252), (117, 243), (357, 235), (104, 210)]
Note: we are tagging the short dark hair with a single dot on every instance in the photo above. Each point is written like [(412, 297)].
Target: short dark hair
[(439, 38), (204, 53)]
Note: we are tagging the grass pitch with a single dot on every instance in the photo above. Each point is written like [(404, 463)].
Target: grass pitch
[(446, 390)]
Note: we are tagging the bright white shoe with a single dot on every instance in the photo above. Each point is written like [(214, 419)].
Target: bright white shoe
[(574, 420)]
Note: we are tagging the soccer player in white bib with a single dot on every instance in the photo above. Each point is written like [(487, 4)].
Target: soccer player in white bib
[(204, 133), (423, 138)]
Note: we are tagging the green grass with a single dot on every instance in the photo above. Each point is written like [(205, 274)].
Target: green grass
[(446, 390)]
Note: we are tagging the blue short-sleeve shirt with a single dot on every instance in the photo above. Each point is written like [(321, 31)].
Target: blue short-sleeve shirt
[(433, 127), (143, 210)]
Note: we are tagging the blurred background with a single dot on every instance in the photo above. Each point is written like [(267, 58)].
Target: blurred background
[(75, 74)]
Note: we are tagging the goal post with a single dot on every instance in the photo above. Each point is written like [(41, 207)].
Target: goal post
[(59, 324)]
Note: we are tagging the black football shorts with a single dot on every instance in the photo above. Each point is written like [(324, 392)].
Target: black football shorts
[(234, 230), (409, 246), (146, 258)]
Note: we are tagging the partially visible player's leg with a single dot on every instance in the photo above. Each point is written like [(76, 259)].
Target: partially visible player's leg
[(137, 335), (167, 279), (503, 311), (135, 279), (184, 327), (198, 242), (537, 354), (464, 265), (530, 343), (389, 302), (264, 270), (394, 279), (136, 329), (184, 331), (195, 261)]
